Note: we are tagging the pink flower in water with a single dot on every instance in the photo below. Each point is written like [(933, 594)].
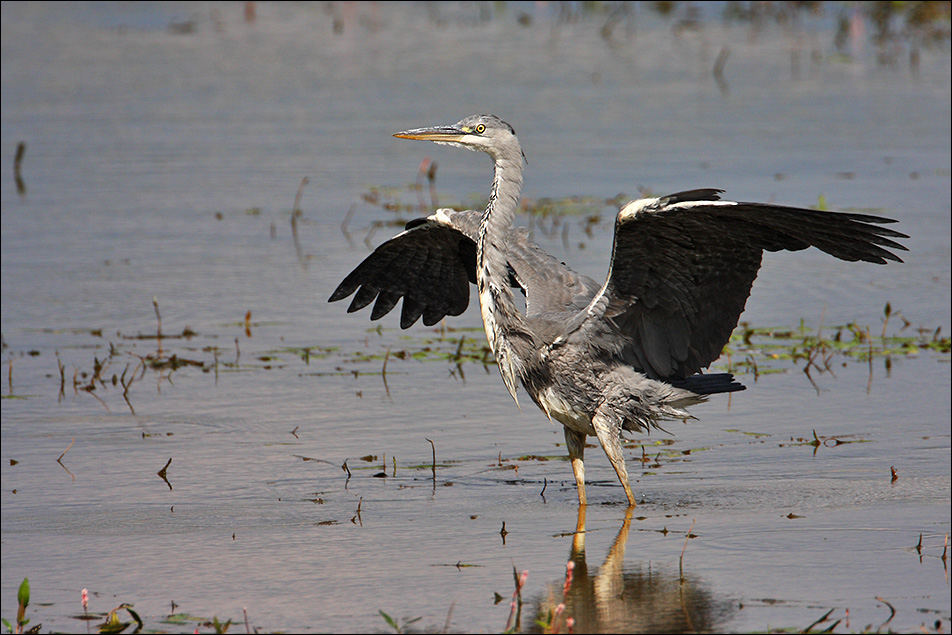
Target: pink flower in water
[(516, 598), (569, 568), (85, 599)]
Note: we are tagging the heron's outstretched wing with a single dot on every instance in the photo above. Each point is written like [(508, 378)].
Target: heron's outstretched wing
[(432, 262), (683, 265), (429, 265)]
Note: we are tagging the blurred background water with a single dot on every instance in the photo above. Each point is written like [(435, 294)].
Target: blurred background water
[(164, 146)]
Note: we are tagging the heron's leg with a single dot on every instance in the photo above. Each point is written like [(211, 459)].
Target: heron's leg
[(575, 442), (608, 431), (578, 540)]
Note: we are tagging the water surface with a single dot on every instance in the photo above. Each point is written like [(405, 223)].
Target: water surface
[(165, 146)]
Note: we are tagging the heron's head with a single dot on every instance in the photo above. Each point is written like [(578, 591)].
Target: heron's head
[(486, 133)]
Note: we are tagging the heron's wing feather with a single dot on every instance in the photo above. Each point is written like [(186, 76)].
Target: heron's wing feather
[(551, 287), (431, 263), (682, 269)]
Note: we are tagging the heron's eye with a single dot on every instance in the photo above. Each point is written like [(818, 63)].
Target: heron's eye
[(480, 128)]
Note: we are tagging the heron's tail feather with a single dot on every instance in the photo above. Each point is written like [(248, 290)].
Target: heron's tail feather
[(709, 384)]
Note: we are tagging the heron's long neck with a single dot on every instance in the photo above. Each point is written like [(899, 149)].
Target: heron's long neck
[(499, 311)]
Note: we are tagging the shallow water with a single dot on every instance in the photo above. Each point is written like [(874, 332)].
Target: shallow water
[(165, 145)]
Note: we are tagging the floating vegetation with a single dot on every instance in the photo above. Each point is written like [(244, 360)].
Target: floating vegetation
[(450, 345), (765, 350), (752, 350), (118, 619), (121, 364), (819, 441)]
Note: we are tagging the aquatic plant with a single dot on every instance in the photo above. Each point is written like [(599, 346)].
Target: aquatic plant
[(23, 601), (398, 626)]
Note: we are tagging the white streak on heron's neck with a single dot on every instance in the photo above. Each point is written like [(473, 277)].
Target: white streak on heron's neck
[(499, 311)]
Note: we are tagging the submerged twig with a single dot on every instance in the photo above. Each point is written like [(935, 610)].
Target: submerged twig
[(158, 317), (308, 458), (431, 177), (297, 197), (62, 372), (127, 385), (17, 162), (449, 617), (60, 459), (718, 71), (433, 448), (356, 518), (683, 549), (809, 628), (424, 166), (163, 473), (295, 213), (383, 372), (345, 222), (892, 613)]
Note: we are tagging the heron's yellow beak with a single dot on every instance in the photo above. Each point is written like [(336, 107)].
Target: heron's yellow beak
[(446, 134)]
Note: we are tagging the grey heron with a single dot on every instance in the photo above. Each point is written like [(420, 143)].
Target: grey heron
[(599, 358)]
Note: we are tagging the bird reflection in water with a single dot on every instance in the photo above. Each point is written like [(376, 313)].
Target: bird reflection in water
[(640, 598)]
